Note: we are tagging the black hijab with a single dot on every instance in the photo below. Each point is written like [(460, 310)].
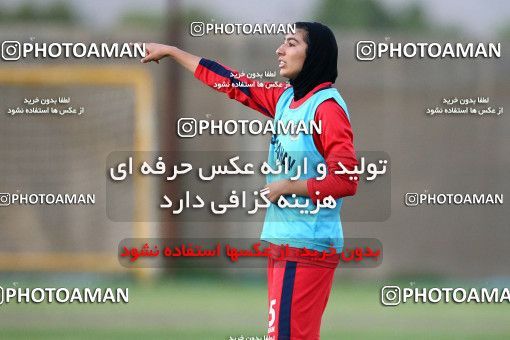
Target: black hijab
[(321, 59)]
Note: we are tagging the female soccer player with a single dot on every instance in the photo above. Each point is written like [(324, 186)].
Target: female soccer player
[(298, 287)]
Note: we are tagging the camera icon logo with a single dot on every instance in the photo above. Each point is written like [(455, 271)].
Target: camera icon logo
[(390, 295), (411, 199), (5, 199), (197, 29), (11, 50), (365, 50), (187, 127)]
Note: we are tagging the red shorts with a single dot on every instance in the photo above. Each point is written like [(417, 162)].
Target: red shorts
[(298, 293)]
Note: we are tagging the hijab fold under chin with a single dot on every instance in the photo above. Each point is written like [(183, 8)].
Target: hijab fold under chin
[(321, 59)]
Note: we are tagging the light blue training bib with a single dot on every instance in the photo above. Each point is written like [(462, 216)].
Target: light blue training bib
[(293, 226)]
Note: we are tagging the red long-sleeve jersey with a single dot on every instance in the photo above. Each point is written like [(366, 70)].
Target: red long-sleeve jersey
[(335, 142)]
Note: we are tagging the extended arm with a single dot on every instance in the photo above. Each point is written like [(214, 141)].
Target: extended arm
[(156, 52), (254, 94)]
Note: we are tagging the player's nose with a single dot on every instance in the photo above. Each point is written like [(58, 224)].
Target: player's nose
[(280, 50)]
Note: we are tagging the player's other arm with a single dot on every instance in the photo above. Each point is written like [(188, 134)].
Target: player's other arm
[(253, 94), (334, 144)]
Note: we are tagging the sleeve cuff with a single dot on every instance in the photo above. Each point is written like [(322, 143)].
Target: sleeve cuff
[(199, 68), (310, 185)]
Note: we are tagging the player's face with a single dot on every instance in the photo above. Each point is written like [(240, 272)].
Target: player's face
[(292, 54)]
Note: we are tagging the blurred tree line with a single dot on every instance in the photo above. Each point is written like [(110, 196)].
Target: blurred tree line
[(371, 14), (28, 12), (150, 19)]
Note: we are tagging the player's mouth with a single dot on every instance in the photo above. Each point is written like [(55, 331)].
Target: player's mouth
[(281, 64)]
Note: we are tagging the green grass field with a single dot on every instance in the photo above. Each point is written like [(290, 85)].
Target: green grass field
[(217, 308)]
